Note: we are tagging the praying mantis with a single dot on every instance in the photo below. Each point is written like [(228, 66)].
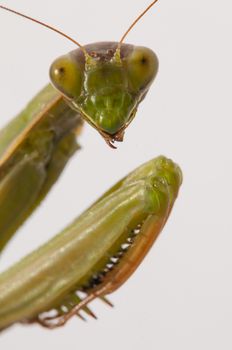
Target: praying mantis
[(103, 84)]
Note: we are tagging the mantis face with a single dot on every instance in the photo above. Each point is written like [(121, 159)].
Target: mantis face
[(107, 86)]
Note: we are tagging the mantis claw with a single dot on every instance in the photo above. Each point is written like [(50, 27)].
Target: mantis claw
[(81, 317), (106, 301)]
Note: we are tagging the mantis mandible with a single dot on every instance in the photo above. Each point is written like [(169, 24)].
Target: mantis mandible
[(103, 84)]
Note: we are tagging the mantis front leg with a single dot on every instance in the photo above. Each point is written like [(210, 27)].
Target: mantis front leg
[(34, 149), (96, 253)]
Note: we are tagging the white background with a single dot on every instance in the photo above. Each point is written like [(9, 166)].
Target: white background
[(181, 296)]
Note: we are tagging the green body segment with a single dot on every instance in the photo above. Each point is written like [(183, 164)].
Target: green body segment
[(34, 149), (66, 263)]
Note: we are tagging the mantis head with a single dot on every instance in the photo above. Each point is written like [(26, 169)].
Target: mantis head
[(106, 86)]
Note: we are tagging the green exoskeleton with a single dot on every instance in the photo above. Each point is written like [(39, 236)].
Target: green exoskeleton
[(96, 253), (102, 83)]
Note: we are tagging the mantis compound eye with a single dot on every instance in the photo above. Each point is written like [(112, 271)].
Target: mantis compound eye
[(67, 76), (142, 66)]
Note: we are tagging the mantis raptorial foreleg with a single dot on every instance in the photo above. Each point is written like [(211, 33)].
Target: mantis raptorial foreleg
[(96, 253), (34, 149)]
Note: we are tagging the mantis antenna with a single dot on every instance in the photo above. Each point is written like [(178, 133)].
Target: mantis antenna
[(135, 22), (88, 58), (49, 27)]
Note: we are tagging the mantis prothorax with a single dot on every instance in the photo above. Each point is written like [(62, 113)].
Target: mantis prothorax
[(102, 83)]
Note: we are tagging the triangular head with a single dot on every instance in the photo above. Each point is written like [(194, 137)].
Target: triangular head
[(106, 84)]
